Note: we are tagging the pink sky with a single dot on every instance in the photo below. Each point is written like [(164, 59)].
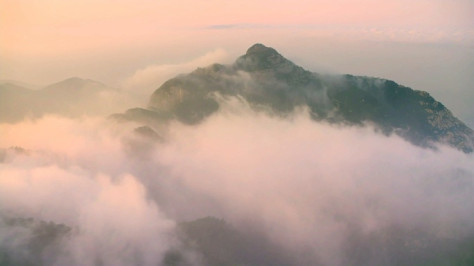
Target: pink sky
[(52, 27)]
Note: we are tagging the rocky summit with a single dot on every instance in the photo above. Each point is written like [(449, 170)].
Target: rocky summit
[(264, 78)]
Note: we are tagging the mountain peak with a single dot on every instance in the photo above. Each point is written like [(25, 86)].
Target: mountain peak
[(259, 48), (74, 84), (78, 81), (261, 57)]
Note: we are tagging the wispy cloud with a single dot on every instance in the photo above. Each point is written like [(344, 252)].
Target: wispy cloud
[(145, 80)]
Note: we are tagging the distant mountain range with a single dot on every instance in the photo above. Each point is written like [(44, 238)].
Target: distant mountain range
[(71, 97), (264, 78)]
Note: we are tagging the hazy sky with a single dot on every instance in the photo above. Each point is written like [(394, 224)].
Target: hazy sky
[(425, 44)]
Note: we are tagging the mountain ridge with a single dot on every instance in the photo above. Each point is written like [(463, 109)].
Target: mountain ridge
[(70, 97), (263, 77), (74, 83)]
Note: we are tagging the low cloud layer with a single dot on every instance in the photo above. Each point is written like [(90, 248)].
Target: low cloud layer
[(325, 194), (311, 187)]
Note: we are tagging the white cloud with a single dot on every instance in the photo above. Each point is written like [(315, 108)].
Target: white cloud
[(74, 172), (310, 186)]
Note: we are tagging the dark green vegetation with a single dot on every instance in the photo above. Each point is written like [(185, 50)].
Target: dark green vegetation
[(219, 243), (269, 81), (30, 242), (212, 241)]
